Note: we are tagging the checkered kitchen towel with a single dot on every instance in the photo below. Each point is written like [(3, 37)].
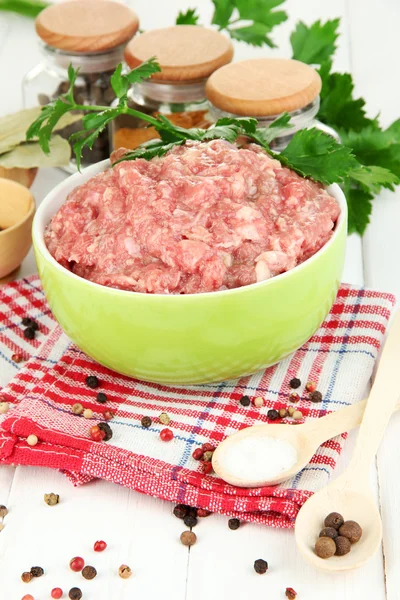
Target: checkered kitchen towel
[(339, 357)]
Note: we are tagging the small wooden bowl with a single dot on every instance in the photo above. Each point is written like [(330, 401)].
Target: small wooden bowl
[(24, 176), (17, 208)]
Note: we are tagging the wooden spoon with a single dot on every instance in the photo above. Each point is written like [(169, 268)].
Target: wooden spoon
[(350, 494), (305, 439)]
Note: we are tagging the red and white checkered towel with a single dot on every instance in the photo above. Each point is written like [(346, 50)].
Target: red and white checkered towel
[(339, 357)]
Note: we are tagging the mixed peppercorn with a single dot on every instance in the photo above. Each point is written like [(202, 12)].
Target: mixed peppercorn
[(337, 537)]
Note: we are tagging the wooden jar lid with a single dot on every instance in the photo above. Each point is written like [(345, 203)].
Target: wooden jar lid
[(263, 87), (86, 25), (184, 52)]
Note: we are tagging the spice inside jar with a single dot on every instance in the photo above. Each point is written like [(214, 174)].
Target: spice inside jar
[(88, 35), (187, 55), (265, 88)]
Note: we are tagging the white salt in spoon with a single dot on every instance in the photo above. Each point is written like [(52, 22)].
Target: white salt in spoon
[(242, 458), (350, 494)]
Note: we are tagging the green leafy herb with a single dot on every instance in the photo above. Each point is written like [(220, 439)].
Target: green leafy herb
[(311, 153), (28, 8), (315, 44), (190, 17), (339, 108), (93, 124), (376, 151), (249, 21)]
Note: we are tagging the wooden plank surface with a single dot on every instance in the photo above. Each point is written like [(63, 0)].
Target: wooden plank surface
[(141, 530)]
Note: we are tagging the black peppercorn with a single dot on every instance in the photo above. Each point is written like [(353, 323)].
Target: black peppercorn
[(107, 430), (26, 321), (260, 566), (245, 401), (273, 415), (92, 381), (101, 397), (192, 511), (315, 397), (29, 333), (180, 511), (146, 422), (34, 325), (233, 524), (89, 572), (75, 594), (37, 571), (295, 383), (190, 521)]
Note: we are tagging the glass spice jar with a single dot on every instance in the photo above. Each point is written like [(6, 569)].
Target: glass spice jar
[(91, 36), (187, 55), (264, 89)]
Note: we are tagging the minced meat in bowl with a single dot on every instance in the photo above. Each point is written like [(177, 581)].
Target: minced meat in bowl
[(205, 217)]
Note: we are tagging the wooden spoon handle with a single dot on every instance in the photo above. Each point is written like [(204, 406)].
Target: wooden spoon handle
[(337, 422), (380, 405)]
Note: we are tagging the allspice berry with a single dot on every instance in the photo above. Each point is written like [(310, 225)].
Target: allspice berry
[(146, 422), (315, 397), (343, 546), (329, 532), (188, 538), (52, 499), (89, 572), (3, 510), (334, 520), (27, 577), (125, 572), (325, 547), (351, 530)]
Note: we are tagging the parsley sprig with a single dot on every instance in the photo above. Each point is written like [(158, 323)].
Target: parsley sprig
[(250, 21), (376, 151), (311, 153)]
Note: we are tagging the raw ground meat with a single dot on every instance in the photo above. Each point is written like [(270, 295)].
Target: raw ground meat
[(204, 217)]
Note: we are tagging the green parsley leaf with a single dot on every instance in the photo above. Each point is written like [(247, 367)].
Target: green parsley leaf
[(28, 8), (121, 83), (312, 153), (187, 18), (315, 44), (338, 107), (249, 21), (359, 206), (373, 146), (374, 178), (149, 150), (223, 10)]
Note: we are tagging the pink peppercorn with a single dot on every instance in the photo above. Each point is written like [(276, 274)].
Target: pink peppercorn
[(108, 415), (294, 397), (97, 434), (207, 467), (56, 593), (311, 386), (203, 512), (207, 447), (198, 453), (99, 546), (166, 435), (76, 564)]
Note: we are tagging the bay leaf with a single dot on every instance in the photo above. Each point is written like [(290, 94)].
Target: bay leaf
[(13, 127), (30, 154)]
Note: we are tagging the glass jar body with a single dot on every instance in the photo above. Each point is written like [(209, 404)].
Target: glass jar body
[(304, 118), (183, 104), (47, 80)]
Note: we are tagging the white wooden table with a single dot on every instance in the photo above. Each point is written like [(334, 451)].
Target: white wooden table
[(141, 531)]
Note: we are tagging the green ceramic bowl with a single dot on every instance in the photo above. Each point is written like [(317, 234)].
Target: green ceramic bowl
[(196, 338)]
